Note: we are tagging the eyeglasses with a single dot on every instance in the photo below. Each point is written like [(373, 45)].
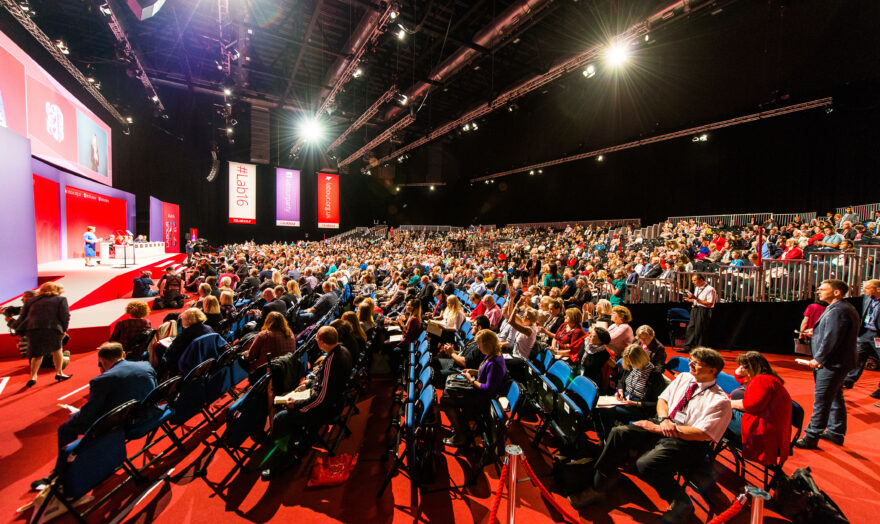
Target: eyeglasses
[(695, 363)]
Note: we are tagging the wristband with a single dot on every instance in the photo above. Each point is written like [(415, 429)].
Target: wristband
[(665, 418)]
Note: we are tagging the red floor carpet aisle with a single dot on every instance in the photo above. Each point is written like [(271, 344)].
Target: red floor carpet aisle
[(30, 418)]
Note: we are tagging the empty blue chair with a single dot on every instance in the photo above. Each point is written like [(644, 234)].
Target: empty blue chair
[(574, 412), (191, 394)]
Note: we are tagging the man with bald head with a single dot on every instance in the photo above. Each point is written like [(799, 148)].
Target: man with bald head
[(869, 331), (326, 385)]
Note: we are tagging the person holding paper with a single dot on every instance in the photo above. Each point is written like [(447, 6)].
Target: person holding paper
[(638, 389), (325, 391), (120, 380), (692, 414)]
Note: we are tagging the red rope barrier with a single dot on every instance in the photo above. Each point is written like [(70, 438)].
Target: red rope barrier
[(546, 494), (496, 502), (738, 504)]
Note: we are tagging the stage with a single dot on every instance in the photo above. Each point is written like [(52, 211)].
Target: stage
[(96, 295)]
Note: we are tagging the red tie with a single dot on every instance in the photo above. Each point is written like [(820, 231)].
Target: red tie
[(684, 402)]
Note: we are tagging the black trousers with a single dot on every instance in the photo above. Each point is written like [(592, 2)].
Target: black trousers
[(865, 344), (697, 333), (659, 458)]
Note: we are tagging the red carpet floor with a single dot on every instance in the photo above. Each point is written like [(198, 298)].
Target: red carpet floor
[(27, 450)]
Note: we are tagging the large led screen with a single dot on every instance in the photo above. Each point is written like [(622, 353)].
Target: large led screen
[(61, 129)]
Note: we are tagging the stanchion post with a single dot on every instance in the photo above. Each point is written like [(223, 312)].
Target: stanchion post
[(758, 497), (514, 453)]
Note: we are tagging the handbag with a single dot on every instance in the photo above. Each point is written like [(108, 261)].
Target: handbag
[(799, 499)]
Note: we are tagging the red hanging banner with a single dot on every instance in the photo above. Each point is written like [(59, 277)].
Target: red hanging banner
[(328, 201)]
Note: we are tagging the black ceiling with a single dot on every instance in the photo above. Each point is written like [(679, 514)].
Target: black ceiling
[(291, 44)]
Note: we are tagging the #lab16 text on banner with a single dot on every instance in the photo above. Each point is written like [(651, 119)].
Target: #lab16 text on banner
[(242, 193)]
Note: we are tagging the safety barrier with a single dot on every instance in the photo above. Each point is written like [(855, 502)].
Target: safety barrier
[(562, 224), (742, 219), (432, 229)]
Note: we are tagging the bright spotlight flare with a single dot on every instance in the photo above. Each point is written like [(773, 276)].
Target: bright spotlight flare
[(617, 53), (311, 130)]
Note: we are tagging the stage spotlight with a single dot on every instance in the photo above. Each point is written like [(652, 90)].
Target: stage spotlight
[(24, 6), (590, 71), (700, 138), (62, 46), (466, 127), (401, 34), (91, 79), (432, 188), (228, 130), (357, 73), (219, 65), (487, 182), (311, 129), (647, 38), (392, 15), (403, 99), (600, 158), (155, 99), (532, 172), (397, 189), (540, 171), (129, 119), (617, 54), (474, 126), (105, 9), (227, 91)]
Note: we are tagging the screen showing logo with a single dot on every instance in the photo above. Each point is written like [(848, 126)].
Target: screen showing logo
[(54, 122)]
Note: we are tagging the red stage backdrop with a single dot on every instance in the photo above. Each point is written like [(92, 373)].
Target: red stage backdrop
[(47, 216), (171, 227), (328, 201), (85, 208)]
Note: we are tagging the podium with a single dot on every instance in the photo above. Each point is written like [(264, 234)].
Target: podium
[(104, 252)]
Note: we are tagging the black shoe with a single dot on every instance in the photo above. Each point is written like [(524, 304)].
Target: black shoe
[(875, 394), (585, 498), (834, 439), (848, 385), (60, 377), (30, 383), (683, 350), (679, 511), (807, 442), (39, 484)]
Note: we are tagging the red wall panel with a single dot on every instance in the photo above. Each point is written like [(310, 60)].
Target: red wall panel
[(47, 216)]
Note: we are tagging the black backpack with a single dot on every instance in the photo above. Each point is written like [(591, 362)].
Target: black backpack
[(799, 499)]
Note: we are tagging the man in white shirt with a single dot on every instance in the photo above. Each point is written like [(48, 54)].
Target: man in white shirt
[(703, 299), (692, 414)]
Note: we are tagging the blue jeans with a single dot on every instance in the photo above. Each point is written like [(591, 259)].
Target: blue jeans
[(829, 409)]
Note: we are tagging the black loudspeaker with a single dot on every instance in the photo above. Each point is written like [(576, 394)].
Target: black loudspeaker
[(144, 9), (260, 138)]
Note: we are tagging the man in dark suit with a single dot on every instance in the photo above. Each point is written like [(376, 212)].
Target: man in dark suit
[(426, 293), (834, 355), (869, 331), (120, 381)]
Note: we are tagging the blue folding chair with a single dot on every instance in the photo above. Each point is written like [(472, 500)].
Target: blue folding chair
[(727, 382), (574, 412), (678, 365), (199, 350), (552, 384)]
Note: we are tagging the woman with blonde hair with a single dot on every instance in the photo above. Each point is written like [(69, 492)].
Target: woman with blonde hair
[(274, 340), (192, 321), (620, 330), (211, 308), (227, 308), (638, 389), (44, 320), (464, 405)]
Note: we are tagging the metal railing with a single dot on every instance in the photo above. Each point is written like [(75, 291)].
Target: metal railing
[(840, 266), (433, 229), (787, 280), (741, 219), (870, 262), (562, 224), (864, 211), (346, 234)]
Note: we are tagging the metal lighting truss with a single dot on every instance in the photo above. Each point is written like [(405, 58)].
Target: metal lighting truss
[(386, 135), (131, 55), (364, 118), (354, 60), (763, 115), (671, 14), (13, 8)]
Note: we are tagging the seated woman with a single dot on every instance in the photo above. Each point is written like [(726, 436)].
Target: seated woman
[(193, 279), (410, 323), (273, 340), (595, 355), (192, 321), (227, 309), (127, 330), (211, 308), (637, 391), (450, 321), (462, 405), (548, 330), (766, 411), (360, 336), (600, 315), (569, 339), (656, 350), (204, 291), (452, 361), (620, 331)]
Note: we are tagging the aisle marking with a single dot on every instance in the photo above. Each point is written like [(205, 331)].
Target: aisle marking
[(73, 392), (3, 382)]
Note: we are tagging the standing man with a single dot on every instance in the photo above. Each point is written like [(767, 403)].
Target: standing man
[(868, 343), (703, 299), (834, 355)]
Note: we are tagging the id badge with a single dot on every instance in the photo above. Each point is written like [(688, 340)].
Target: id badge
[(679, 417), (877, 342)]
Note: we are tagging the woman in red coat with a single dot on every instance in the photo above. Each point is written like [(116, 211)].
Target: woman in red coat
[(766, 407)]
